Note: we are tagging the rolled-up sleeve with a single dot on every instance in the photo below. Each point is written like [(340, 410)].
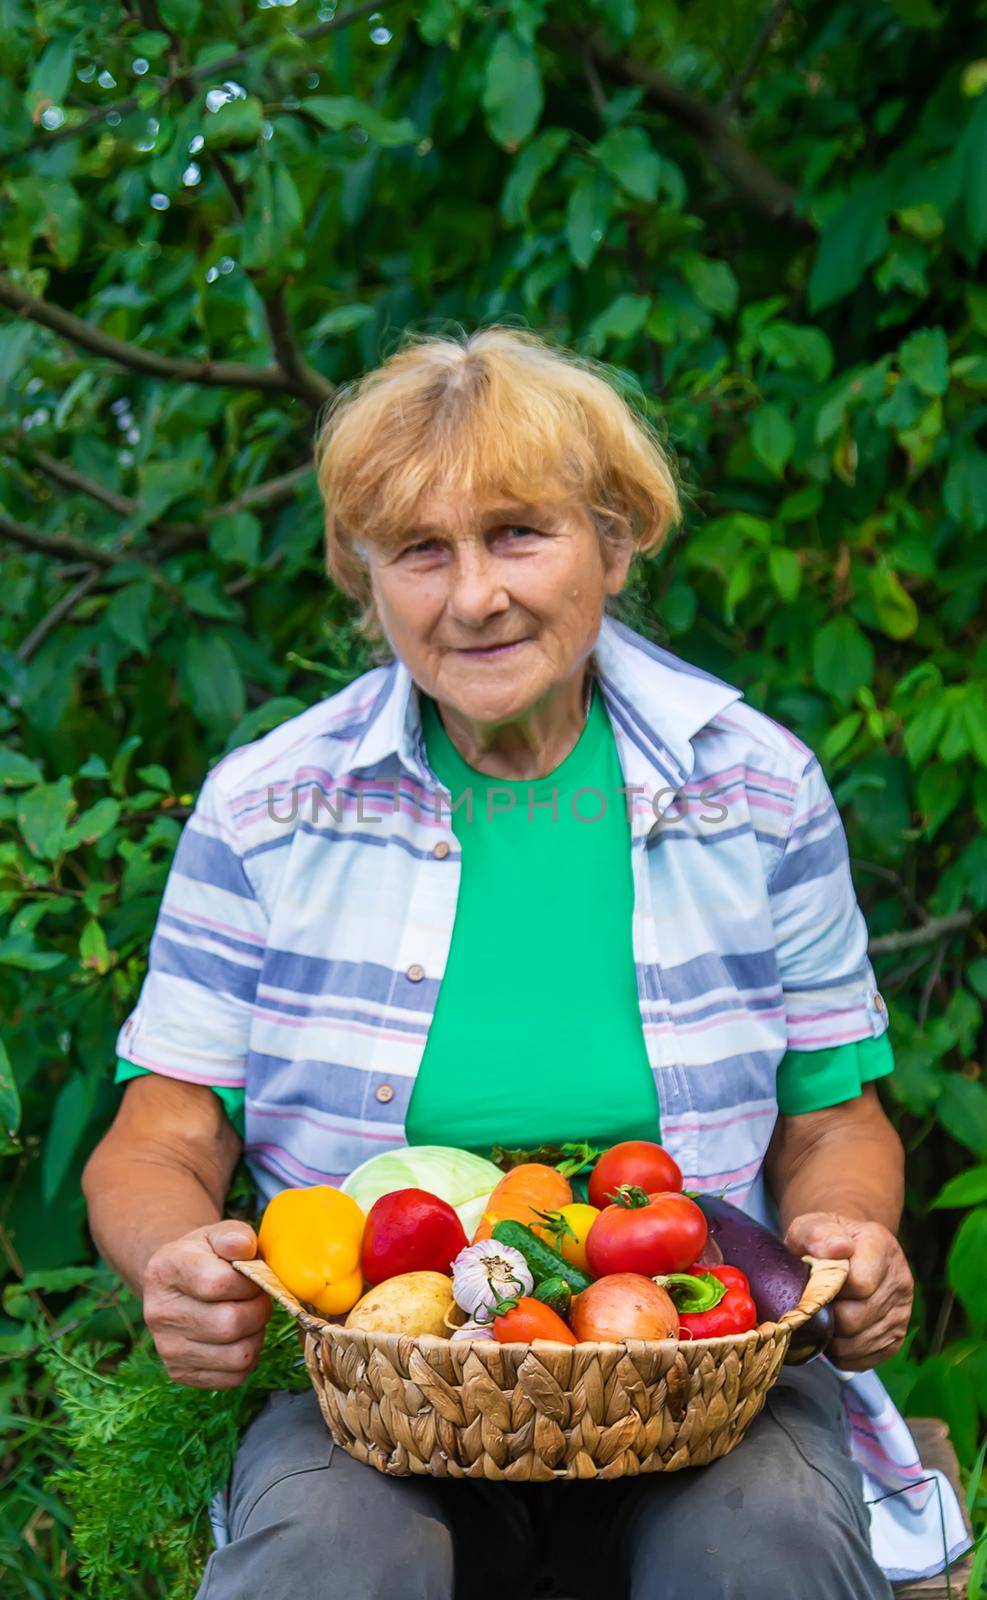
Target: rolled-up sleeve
[(193, 1014), (828, 984)]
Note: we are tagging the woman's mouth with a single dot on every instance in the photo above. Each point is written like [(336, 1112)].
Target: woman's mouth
[(492, 651)]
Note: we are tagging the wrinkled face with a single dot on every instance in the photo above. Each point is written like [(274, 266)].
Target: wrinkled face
[(491, 606)]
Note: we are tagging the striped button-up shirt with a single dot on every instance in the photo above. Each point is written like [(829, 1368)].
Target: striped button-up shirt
[(306, 922)]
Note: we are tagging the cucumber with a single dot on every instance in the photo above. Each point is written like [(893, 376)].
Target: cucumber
[(554, 1292), (541, 1258)]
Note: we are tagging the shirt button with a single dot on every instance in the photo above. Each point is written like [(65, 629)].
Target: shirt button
[(878, 1001), (415, 973), (441, 849), (384, 1092)]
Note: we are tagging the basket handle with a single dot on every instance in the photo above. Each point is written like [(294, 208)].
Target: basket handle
[(260, 1273), (826, 1279)]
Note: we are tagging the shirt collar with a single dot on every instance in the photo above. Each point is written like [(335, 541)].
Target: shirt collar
[(657, 703)]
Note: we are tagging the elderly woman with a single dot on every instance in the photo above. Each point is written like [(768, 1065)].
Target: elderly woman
[(532, 880)]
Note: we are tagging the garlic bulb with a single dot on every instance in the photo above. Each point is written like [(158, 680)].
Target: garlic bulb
[(484, 1274)]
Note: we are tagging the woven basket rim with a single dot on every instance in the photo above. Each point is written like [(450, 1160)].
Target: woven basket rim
[(826, 1279)]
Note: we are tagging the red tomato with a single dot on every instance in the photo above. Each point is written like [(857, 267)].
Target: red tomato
[(409, 1230), (636, 1161), (531, 1319), (648, 1233)]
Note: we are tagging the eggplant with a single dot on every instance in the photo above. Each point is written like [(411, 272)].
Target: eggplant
[(777, 1276)]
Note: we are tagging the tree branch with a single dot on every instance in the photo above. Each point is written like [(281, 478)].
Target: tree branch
[(59, 611), (765, 33), (722, 146), (59, 544), (173, 535), (935, 928), (210, 374)]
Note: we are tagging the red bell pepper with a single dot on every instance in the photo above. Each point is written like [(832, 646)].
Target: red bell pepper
[(410, 1230), (735, 1313)]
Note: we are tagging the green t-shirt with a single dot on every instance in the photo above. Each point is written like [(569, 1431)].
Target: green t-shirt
[(537, 1037), (537, 1016)]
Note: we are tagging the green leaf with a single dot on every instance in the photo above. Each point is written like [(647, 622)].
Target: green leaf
[(938, 790), (345, 111), (212, 683), (923, 730), (588, 213), (17, 771), (10, 1100), (235, 125), (512, 91), (962, 1109), (69, 1123), (772, 438), (713, 284), (203, 595), (785, 571), (274, 212), (622, 320), (965, 1266), (52, 74), (966, 1189), (965, 488), (897, 612), (971, 171), (128, 614), (842, 659), (236, 538), (182, 16), (92, 824), (852, 240), (924, 358), (627, 155), (342, 320), (262, 718), (532, 164), (42, 816), (789, 346), (944, 1388), (20, 951)]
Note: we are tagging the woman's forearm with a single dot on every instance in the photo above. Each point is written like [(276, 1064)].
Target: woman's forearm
[(162, 1170), (135, 1206), (847, 1159)]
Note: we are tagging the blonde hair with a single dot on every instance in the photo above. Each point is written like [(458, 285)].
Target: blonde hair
[(499, 411)]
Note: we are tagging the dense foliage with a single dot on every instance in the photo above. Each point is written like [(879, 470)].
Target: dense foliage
[(768, 219)]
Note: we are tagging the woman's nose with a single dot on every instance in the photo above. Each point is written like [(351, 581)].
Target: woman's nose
[(476, 590)]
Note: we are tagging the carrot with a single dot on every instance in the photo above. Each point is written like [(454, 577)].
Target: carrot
[(521, 1194)]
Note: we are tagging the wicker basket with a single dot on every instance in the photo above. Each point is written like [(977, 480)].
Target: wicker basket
[(540, 1411)]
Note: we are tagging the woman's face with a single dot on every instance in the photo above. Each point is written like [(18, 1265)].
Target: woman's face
[(491, 605)]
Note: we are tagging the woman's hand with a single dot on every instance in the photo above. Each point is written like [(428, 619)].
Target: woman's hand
[(872, 1310), (206, 1319)]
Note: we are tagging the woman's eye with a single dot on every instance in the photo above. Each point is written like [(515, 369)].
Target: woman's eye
[(420, 548), (522, 529)]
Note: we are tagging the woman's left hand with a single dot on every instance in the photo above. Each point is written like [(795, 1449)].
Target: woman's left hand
[(872, 1310)]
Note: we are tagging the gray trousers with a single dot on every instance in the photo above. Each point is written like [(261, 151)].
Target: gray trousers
[(781, 1516)]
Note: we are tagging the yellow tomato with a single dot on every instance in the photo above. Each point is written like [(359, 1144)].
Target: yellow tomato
[(311, 1239), (567, 1235)]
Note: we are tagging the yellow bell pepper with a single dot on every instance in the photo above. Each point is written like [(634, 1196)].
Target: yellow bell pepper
[(311, 1239), (566, 1229)]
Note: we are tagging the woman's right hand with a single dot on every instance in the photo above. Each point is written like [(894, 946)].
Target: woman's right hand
[(206, 1319)]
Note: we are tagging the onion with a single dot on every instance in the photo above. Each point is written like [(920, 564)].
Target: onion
[(623, 1305)]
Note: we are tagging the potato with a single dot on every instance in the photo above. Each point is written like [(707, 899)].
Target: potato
[(413, 1302)]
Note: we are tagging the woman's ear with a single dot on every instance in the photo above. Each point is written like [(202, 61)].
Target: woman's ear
[(617, 560)]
